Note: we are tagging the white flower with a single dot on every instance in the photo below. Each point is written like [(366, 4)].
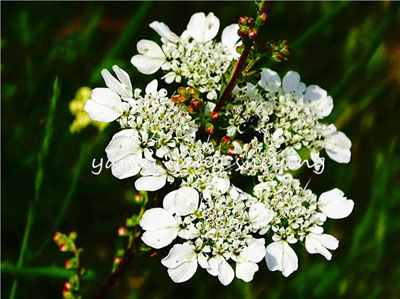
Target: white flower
[(260, 216), (154, 177), (160, 227), (337, 146), (230, 40), (334, 205), (280, 256), (125, 154), (318, 100), (104, 105), (218, 266), (291, 82), (320, 243), (270, 80), (150, 59), (181, 262), (182, 202), (246, 261), (122, 86), (202, 28)]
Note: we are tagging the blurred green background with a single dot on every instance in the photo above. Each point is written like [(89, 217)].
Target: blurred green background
[(351, 49)]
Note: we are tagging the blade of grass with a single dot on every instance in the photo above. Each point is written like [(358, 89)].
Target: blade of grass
[(123, 40), (75, 178), (38, 180), (43, 271)]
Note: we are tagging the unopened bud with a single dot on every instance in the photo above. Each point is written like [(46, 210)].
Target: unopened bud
[(253, 33), (214, 115), (181, 90), (243, 30), (243, 20), (277, 56), (250, 22), (67, 265), (63, 247), (226, 139), (230, 151), (117, 260), (73, 235), (195, 103), (57, 236), (122, 231), (138, 198), (209, 128), (176, 99), (191, 109), (262, 18), (67, 285)]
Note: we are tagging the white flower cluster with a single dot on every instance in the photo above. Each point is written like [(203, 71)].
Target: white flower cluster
[(194, 55), (220, 227)]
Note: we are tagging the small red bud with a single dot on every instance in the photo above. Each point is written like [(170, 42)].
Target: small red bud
[(63, 247), (243, 30), (195, 103), (209, 128), (122, 231), (214, 115), (67, 265), (250, 22), (230, 151), (117, 260), (57, 236), (243, 20), (175, 99), (191, 109), (226, 139), (263, 17), (253, 33), (154, 254), (67, 285), (138, 198)]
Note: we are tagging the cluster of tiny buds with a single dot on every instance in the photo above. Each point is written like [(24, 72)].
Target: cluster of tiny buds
[(63, 243), (189, 95), (248, 26)]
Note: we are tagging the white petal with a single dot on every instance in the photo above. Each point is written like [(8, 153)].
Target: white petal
[(147, 65), (183, 272), (301, 87), (160, 228), (290, 81), (122, 145), (211, 27), (245, 271), (196, 26), (280, 256), (186, 201), (151, 88), (229, 36), (178, 254), (223, 185), (104, 105), (150, 183), (319, 244), (260, 216), (159, 238), (319, 101), (164, 31), (255, 252), (123, 77), (337, 146), (334, 205), (127, 167), (225, 272), (270, 80), (112, 83)]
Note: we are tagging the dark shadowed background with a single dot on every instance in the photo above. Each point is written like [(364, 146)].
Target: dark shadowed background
[(351, 49)]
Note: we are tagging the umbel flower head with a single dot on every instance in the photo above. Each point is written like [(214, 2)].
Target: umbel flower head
[(167, 141)]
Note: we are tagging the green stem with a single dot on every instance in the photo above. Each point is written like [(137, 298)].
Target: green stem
[(38, 181), (66, 202), (43, 271)]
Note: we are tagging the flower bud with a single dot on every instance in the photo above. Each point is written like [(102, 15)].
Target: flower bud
[(73, 235), (226, 139), (285, 50), (138, 198), (67, 265), (243, 20), (63, 247), (253, 33), (181, 90), (209, 128), (122, 231), (277, 56), (191, 109), (243, 30), (231, 151), (214, 115), (262, 18), (176, 99), (250, 22), (195, 103), (57, 236), (67, 285), (117, 260)]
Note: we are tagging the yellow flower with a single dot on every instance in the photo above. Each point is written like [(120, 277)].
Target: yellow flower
[(82, 119)]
